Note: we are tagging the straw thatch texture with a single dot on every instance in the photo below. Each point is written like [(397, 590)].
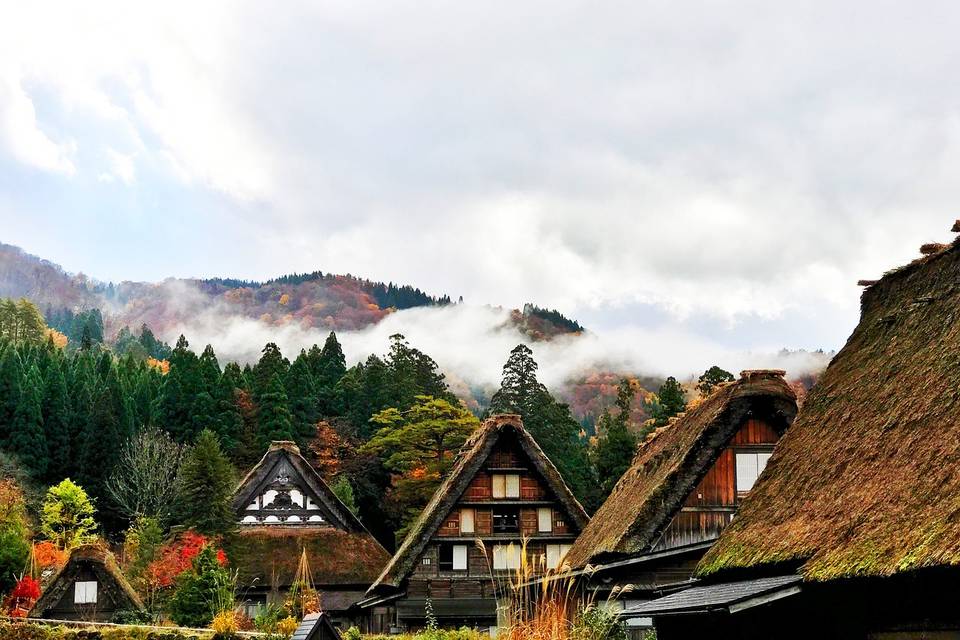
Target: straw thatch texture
[(93, 558), (673, 460), (866, 482)]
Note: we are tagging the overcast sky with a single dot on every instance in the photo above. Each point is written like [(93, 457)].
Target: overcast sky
[(728, 168)]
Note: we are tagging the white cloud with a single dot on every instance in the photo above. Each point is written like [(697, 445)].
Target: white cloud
[(742, 161), (21, 135)]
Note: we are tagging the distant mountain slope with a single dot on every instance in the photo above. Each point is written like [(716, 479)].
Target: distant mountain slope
[(311, 300)]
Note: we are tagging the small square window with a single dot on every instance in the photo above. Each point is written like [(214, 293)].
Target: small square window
[(85, 592)]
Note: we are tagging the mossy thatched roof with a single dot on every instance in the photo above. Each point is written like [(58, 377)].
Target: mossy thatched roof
[(90, 557), (673, 460), (866, 482), (266, 555), (470, 459)]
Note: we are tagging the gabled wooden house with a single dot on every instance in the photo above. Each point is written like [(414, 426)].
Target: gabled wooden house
[(502, 491), (89, 587), (854, 531), (316, 626), (284, 508), (683, 488)]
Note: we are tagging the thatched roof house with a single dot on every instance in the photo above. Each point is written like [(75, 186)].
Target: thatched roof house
[(862, 496), (90, 586), (284, 508), (502, 490), (674, 460)]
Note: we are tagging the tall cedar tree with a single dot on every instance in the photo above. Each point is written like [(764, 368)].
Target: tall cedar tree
[(670, 401), (206, 484), (56, 420), (274, 421), (229, 419), (549, 422), (302, 397), (616, 444), (327, 366), (271, 363), (10, 380), (28, 441)]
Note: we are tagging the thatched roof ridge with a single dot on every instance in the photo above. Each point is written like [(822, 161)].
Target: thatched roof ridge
[(470, 459), (670, 463), (866, 482), (109, 577)]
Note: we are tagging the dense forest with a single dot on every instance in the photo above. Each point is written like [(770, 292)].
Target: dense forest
[(383, 431)]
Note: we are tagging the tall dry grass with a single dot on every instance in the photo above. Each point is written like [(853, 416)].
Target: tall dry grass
[(543, 603)]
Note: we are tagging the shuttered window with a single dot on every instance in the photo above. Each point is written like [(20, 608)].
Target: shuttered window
[(466, 521), (506, 556), (749, 467), (506, 485), (460, 557), (555, 554), (85, 592), (545, 520)]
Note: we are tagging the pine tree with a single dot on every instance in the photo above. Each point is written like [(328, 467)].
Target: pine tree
[(206, 484), (10, 375), (27, 441), (273, 414), (229, 420), (711, 378), (670, 401)]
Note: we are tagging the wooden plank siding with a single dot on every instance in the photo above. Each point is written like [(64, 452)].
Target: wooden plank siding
[(475, 584), (710, 507)]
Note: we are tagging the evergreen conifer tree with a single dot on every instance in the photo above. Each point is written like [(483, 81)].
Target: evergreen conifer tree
[(670, 401), (27, 440), (56, 421), (10, 378), (273, 414), (302, 399), (616, 445), (206, 484)]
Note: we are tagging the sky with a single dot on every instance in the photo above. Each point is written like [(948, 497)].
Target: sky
[(718, 174)]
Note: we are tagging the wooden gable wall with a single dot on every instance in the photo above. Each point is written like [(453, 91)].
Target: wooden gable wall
[(711, 506)]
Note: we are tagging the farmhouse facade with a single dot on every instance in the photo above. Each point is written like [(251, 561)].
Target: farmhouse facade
[(503, 503)]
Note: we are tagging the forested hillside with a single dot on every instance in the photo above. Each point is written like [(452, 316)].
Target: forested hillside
[(309, 300)]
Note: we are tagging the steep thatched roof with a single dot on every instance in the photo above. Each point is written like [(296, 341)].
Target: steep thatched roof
[(284, 451), (673, 460), (110, 580), (867, 481), (471, 458), (266, 555)]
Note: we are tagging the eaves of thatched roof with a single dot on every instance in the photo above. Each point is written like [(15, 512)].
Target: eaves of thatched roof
[(670, 463), (866, 481)]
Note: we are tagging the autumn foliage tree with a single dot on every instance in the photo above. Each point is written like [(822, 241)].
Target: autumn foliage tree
[(418, 446), (67, 516), (14, 533)]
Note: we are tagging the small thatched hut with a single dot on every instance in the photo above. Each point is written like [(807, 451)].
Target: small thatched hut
[(854, 531), (89, 587)]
